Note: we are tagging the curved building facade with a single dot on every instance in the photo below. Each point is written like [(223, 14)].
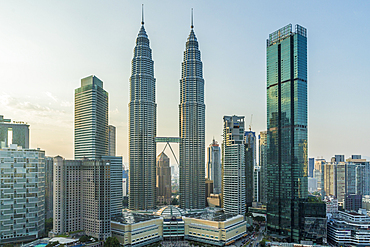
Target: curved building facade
[(192, 127), (142, 130)]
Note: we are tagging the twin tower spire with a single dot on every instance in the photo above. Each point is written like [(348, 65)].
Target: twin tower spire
[(143, 126), (142, 16)]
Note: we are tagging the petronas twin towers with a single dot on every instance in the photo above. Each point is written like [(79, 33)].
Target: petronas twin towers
[(143, 124)]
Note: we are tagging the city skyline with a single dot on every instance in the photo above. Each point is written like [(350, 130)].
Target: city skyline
[(40, 49)]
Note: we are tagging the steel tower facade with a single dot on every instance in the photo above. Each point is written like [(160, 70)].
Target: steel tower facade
[(286, 130), (142, 129), (192, 127)]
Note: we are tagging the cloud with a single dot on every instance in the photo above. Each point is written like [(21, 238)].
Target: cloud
[(66, 104), (50, 95), (34, 113)]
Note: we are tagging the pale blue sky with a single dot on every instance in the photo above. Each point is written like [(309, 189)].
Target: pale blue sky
[(46, 47)]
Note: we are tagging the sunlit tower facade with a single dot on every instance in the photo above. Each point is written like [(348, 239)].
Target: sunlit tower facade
[(286, 129), (192, 127), (91, 119), (142, 130)]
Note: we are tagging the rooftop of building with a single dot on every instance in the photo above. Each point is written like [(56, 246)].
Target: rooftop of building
[(170, 211), (15, 147), (9, 121), (128, 217), (212, 214), (285, 32)]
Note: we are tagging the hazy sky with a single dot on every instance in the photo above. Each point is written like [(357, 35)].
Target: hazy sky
[(46, 47)]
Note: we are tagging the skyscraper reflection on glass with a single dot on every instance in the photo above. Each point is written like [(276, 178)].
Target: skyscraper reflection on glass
[(286, 129)]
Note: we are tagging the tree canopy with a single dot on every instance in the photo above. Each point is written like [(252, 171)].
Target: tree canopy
[(112, 242)]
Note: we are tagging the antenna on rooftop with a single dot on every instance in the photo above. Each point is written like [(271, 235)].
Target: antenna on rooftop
[(142, 14), (250, 124), (192, 23)]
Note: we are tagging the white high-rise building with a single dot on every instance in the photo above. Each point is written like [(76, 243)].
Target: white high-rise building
[(82, 197), (22, 188), (192, 127), (213, 168), (233, 163), (143, 126)]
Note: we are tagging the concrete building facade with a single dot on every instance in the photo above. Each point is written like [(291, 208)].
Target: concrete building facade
[(22, 211), (14, 132), (82, 197), (233, 166)]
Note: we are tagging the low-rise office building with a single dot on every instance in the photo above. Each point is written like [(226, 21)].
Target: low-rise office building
[(133, 229), (349, 229), (210, 226), (214, 227)]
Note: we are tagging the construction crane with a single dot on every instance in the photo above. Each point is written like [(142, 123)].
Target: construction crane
[(250, 125)]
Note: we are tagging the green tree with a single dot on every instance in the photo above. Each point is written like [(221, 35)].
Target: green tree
[(175, 201), (112, 242), (48, 225), (257, 228), (250, 228), (84, 238), (52, 244)]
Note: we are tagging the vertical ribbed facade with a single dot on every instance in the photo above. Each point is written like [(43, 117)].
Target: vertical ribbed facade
[(91, 119), (192, 128), (142, 130), (111, 140), (286, 130)]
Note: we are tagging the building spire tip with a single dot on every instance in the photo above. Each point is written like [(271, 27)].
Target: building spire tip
[(142, 14), (192, 23)]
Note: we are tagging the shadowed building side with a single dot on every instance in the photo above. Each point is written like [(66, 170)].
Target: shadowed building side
[(163, 186)]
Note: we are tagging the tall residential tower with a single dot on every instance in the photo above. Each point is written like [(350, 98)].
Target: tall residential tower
[(143, 122), (286, 130), (192, 127), (233, 166)]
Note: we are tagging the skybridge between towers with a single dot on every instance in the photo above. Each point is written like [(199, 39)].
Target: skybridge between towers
[(169, 140)]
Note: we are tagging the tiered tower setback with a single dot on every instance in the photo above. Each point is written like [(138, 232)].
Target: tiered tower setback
[(142, 130), (192, 127)]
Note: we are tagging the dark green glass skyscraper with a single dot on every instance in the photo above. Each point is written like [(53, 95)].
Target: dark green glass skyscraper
[(286, 130)]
